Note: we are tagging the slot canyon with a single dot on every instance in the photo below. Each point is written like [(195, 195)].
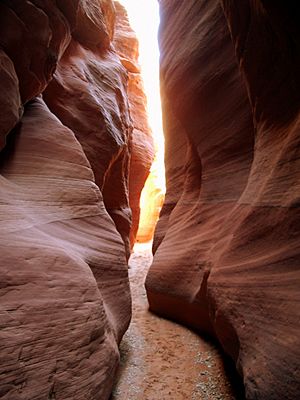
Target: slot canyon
[(111, 289)]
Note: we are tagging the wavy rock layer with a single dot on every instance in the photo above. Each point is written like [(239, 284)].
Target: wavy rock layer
[(65, 299), (88, 94), (227, 243), (64, 208)]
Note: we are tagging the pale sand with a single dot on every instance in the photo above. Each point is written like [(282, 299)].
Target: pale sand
[(161, 360)]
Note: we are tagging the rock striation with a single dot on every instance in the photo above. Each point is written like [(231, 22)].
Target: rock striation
[(65, 299), (66, 134), (227, 244)]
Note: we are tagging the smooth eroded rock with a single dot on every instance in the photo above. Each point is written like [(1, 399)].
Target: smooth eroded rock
[(227, 245), (65, 299)]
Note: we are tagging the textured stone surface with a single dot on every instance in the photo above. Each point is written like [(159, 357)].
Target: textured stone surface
[(11, 108), (64, 208), (227, 245), (30, 49), (88, 94), (101, 119), (34, 34), (65, 299)]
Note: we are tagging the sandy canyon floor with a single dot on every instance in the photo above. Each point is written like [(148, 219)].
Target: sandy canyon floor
[(161, 359)]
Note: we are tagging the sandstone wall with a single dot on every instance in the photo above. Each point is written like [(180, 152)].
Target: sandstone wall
[(66, 140), (227, 244)]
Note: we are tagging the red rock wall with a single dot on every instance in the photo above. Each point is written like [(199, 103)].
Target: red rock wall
[(227, 245), (66, 134), (88, 94)]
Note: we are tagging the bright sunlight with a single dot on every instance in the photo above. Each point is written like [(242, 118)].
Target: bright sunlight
[(144, 19)]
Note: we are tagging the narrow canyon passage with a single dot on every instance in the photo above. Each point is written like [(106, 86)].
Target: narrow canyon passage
[(161, 359), (107, 125)]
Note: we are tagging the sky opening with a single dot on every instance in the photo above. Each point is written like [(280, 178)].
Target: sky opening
[(144, 19)]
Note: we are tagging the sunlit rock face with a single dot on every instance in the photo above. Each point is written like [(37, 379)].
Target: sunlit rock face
[(142, 154), (152, 199), (227, 244), (65, 129)]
